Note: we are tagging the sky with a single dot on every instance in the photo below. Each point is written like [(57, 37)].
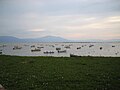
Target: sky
[(70, 19)]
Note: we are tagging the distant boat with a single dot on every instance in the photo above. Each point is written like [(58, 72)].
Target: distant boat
[(48, 52), (101, 48), (17, 47), (73, 55), (35, 50), (113, 46), (78, 47), (26, 45), (91, 46), (32, 46), (0, 53), (62, 51), (3, 45), (67, 47), (58, 49), (40, 47)]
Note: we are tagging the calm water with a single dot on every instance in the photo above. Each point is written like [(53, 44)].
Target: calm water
[(49, 49)]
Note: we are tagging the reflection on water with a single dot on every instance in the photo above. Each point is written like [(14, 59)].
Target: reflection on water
[(61, 49)]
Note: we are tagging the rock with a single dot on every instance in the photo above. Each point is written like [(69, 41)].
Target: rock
[(1, 87)]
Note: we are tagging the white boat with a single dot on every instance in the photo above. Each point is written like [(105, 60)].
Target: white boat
[(17, 47), (49, 52)]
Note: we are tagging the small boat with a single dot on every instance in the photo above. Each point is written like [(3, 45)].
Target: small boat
[(49, 52), (35, 50), (83, 45), (0, 53), (116, 53), (32, 46), (51, 45), (73, 55), (17, 47), (67, 47), (91, 46), (4, 45), (40, 47), (26, 45), (113, 46), (62, 51), (78, 47), (101, 48), (58, 49)]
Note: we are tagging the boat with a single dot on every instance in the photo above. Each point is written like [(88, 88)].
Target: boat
[(73, 55), (62, 51), (91, 46), (16, 47), (32, 46), (101, 48), (35, 50), (40, 47), (67, 47), (78, 47), (58, 49), (49, 52), (0, 53)]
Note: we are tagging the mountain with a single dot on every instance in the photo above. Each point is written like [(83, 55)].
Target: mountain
[(9, 39), (50, 39), (42, 39), (114, 40), (53, 39)]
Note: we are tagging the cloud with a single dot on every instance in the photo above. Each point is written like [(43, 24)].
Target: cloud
[(107, 27), (113, 19), (67, 18), (37, 30)]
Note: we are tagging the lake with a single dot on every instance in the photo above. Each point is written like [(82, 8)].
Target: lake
[(61, 49)]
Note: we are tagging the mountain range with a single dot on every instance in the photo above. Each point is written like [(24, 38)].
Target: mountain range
[(42, 39), (50, 39)]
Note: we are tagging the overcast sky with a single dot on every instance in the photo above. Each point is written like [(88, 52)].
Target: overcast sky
[(71, 19)]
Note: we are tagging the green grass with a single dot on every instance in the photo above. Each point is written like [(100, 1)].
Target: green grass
[(54, 73)]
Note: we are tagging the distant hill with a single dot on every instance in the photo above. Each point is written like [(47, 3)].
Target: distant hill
[(42, 39), (53, 39), (114, 40), (50, 39), (9, 39)]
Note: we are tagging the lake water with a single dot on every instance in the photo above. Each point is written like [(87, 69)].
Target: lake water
[(63, 49)]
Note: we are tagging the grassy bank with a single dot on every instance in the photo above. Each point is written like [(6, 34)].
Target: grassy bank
[(53, 73)]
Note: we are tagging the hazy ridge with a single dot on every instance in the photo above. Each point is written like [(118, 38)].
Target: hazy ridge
[(50, 39)]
